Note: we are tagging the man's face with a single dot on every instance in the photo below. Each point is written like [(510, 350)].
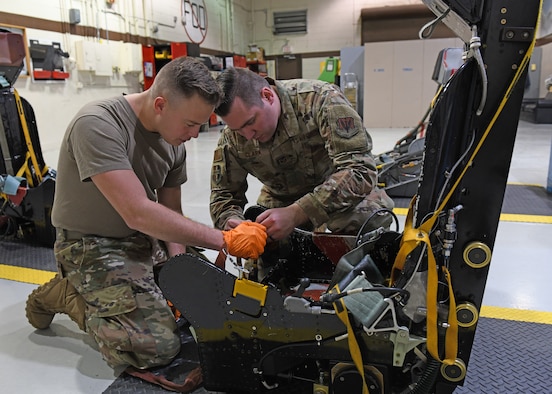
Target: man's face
[(180, 118), (256, 122)]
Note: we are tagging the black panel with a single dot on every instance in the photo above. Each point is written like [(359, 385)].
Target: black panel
[(469, 10)]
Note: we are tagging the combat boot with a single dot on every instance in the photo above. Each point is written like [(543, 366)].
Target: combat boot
[(55, 296)]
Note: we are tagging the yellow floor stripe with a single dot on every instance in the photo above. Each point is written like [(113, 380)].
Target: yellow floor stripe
[(27, 275), (505, 217), (510, 217), (525, 184), (496, 312)]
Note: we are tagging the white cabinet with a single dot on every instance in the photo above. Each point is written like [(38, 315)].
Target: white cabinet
[(398, 87), (378, 84)]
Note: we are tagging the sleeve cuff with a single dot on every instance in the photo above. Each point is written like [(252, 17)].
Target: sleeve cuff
[(223, 219), (315, 212)]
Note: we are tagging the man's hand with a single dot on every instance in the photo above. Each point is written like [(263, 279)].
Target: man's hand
[(247, 240), (280, 222), (232, 223)]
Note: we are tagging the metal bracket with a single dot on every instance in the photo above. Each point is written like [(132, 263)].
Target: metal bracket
[(403, 344), (452, 19)]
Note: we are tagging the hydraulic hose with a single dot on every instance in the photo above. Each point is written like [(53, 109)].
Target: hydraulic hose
[(427, 381)]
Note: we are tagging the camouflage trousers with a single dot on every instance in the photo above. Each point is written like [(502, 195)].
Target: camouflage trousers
[(126, 313)]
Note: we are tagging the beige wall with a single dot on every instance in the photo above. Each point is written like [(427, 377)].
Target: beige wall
[(331, 24)]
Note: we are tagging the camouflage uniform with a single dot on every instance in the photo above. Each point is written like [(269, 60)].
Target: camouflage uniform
[(126, 313), (320, 157)]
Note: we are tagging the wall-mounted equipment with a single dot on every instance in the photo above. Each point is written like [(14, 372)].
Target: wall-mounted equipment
[(289, 22), (47, 60), (156, 56), (74, 16)]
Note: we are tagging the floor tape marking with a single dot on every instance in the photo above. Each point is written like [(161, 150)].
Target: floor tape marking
[(26, 275), (522, 315)]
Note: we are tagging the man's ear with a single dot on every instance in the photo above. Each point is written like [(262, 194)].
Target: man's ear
[(267, 94), (159, 104)]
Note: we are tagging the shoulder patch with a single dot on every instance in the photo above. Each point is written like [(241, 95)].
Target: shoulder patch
[(345, 127)]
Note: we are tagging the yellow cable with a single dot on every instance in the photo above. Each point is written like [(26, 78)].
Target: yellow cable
[(434, 100)]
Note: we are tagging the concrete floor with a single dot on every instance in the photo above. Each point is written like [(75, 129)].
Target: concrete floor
[(64, 360)]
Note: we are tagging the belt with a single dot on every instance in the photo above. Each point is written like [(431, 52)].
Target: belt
[(64, 235)]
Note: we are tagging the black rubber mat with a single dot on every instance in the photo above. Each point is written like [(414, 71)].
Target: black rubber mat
[(126, 384), (518, 200), (24, 254), (509, 357), (527, 200)]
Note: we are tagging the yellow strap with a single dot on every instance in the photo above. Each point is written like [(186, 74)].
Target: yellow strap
[(451, 336), (30, 149), (354, 349), (408, 235), (25, 170), (411, 239)]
